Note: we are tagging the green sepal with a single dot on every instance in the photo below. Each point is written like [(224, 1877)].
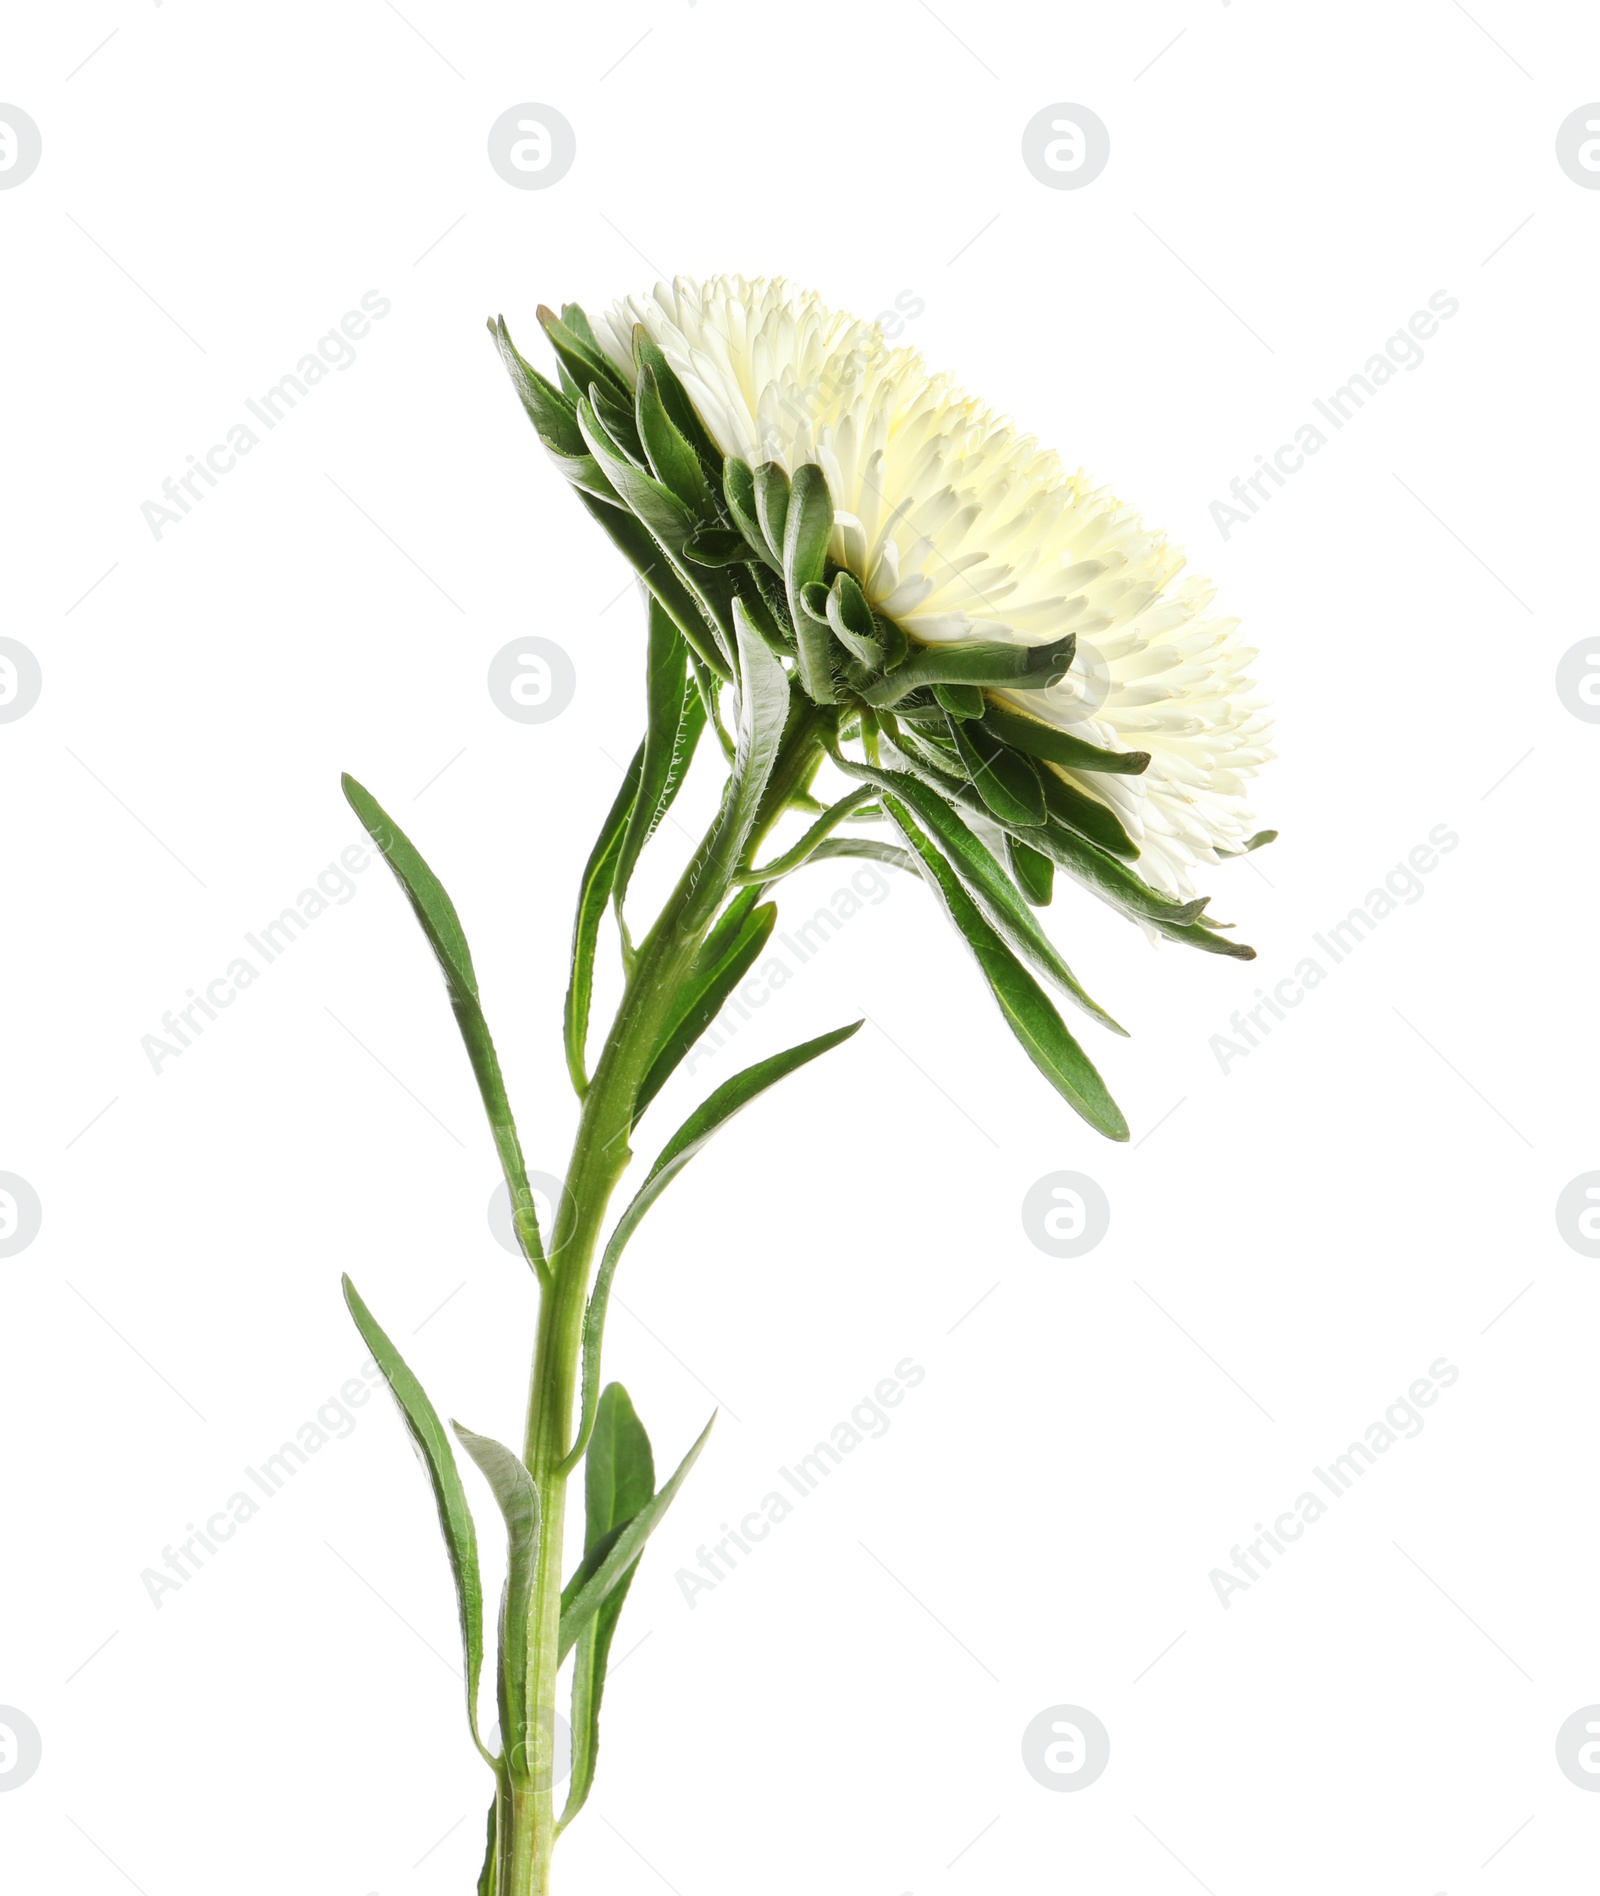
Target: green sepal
[(659, 509), (441, 925), (959, 701), (1035, 1023), (1198, 935), (1258, 841), (1008, 781), (647, 354), (1087, 815), (806, 532), (1112, 879), (594, 892), (1060, 747), (554, 416), (772, 507), (853, 622), (672, 459), (449, 1497), (1034, 874), (979, 662), (518, 1501), (600, 1572), (579, 353), (716, 546), (619, 1479), (617, 418), (739, 491)]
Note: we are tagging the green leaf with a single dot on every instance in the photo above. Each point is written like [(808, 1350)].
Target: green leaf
[(449, 1497), (594, 891), (600, 1573), (772, 506), (619, 1480), (852, 621), (719, 968), (960, 701), (667, 519), (739, 491), (1008, 782), (1027, 1010), (1197, 935), (707, 1118), (1258, 841), (806, 531), (674, 719), (672, 460), (1060, 747), (983, 875), (437, 915), (675, 399), (1035, 875), (1088, 815), (518, 1499), (808, 844), (488, 1875), (978, 662), (662, 580), (716, 546), (1112, 879), (580, 355), (554, 415)]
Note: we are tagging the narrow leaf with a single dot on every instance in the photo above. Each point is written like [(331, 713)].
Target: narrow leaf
[(978, 868), (672, 460), (449, 1497), (666, 682), (739, 491), (582, 357), (662, 580), (1060, 747), (619, 1479), (591, 1585), (1087, 815), (518, 1500), (594, 891), (1008, 781), (719, 968), (437, 915), (806, 532), (710, 1116), (1035, 874), (1027, 1010)]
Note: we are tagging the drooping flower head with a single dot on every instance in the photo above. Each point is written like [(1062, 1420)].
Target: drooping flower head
[(961, 529), (1029, 679)]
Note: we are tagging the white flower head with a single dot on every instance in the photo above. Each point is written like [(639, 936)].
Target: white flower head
[(960, 529)]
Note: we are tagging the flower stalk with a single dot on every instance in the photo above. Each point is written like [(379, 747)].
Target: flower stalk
[(831, 635)]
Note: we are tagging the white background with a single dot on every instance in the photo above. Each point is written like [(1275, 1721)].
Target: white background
[(1293, 1242)]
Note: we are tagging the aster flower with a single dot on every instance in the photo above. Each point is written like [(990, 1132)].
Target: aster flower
[(877, 584)]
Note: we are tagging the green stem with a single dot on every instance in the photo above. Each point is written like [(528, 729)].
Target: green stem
[(525, 1802)]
